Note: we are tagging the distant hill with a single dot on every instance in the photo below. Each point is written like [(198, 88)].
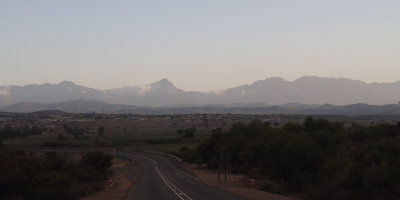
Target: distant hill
[(50, 93), (49, 112), (271, 91), (92, 106), (315, 90), (73, 106)]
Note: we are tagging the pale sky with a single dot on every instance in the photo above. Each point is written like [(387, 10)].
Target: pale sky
[(197, 44)]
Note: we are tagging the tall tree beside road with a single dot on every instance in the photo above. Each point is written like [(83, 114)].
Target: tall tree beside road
[(319, 159)]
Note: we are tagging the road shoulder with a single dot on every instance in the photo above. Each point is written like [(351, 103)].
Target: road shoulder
[(233, 185)]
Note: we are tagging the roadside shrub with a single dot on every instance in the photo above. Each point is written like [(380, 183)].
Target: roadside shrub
[(97, 160), (182, 149), (189, 155), (273, 187)]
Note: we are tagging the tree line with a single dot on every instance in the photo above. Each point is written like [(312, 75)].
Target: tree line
[(8, 132), (317, 159)]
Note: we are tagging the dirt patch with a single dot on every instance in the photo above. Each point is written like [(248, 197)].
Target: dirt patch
[(124, 178), (235, 184)]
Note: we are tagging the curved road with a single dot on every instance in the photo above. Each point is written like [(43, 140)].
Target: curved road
[(163, 177)]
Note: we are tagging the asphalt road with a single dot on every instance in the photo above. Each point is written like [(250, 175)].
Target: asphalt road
[(163, 177)]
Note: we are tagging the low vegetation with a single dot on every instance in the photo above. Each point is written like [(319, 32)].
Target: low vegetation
[(51, 175), (9, 132), (316, 160)]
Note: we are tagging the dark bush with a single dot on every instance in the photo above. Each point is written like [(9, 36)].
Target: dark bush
[(50, 176), (97, 160)]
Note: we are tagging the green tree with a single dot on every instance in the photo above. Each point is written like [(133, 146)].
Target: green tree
[(189, 133)]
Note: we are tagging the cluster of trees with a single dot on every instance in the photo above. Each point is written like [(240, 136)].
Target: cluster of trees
[(51, 176), (187, 133), (9, 133), (317, 159), (76, 132)]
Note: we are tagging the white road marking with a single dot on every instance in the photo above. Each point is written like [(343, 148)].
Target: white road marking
[(178, 159), (180, 171), (171, 186)]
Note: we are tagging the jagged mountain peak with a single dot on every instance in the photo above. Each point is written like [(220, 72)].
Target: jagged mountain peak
[(163, 83)]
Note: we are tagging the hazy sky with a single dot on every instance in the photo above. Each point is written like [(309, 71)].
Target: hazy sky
[(197, 44)]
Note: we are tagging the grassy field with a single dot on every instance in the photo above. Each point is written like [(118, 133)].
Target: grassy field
[(154, 133), (145, 141)]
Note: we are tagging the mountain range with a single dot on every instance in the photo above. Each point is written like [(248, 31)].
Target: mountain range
[(93, 106), (307, 90)]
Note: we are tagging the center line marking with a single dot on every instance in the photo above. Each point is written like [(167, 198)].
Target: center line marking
[(171, 186)]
